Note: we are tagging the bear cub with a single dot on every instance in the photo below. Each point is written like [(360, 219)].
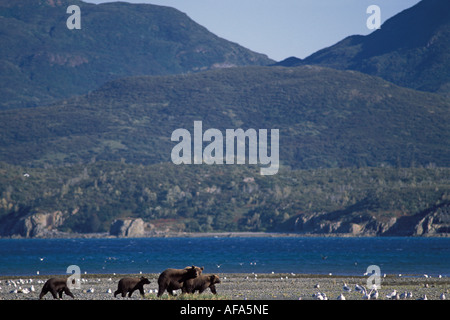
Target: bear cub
[(56, 286), (129, 285), (201, 283)]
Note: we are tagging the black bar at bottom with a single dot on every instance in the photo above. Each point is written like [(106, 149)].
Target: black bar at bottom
[(219, 309)]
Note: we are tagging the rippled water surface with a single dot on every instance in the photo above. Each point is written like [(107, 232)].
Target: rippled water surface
[(339, 256)]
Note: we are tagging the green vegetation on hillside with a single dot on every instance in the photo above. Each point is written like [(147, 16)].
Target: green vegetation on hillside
[(326, 118), (215, 198)]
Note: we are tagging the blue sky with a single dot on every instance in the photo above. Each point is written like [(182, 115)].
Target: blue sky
[(283, 28)]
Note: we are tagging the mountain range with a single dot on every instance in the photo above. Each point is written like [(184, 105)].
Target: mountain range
[(86, 118)]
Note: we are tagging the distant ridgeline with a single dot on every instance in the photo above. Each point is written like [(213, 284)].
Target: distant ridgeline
[(412, 49), (325, 117)]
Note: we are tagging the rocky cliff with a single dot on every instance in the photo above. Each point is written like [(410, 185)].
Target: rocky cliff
[(127, 228), (352, 221), (34, 225), (431, 222)]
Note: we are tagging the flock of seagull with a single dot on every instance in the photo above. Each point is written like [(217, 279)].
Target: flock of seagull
[(373, 294), (20, 287)]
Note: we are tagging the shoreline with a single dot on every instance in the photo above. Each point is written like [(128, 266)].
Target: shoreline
[(236, 286), (225, 234)]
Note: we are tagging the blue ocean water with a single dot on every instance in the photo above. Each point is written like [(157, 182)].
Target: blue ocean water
[(308, 255)]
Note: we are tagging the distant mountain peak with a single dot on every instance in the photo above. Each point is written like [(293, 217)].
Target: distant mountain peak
[(289, 62), (412, 49), (42, 60)]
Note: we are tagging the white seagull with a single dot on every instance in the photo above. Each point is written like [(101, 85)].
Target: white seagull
[(341, 297), (318, 296), (360, 289), (346, 288), (392, 295), (374, 295), (366, 295)]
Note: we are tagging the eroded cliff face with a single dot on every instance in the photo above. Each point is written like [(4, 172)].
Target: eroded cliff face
[(35, 225), (431, 222), (434, 223), (322, 223), (127, 228)]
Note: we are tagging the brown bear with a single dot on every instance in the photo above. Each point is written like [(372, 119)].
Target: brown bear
[(201, 283), (56, 286), (199, 269), (130, 285), (173, 279)]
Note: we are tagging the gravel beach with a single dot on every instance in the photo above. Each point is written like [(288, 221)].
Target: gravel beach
[(239, 286)]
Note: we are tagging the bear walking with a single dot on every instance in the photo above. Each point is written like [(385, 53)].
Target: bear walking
[(173, 279), (129, 285), (201, 283), (56, 286)]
